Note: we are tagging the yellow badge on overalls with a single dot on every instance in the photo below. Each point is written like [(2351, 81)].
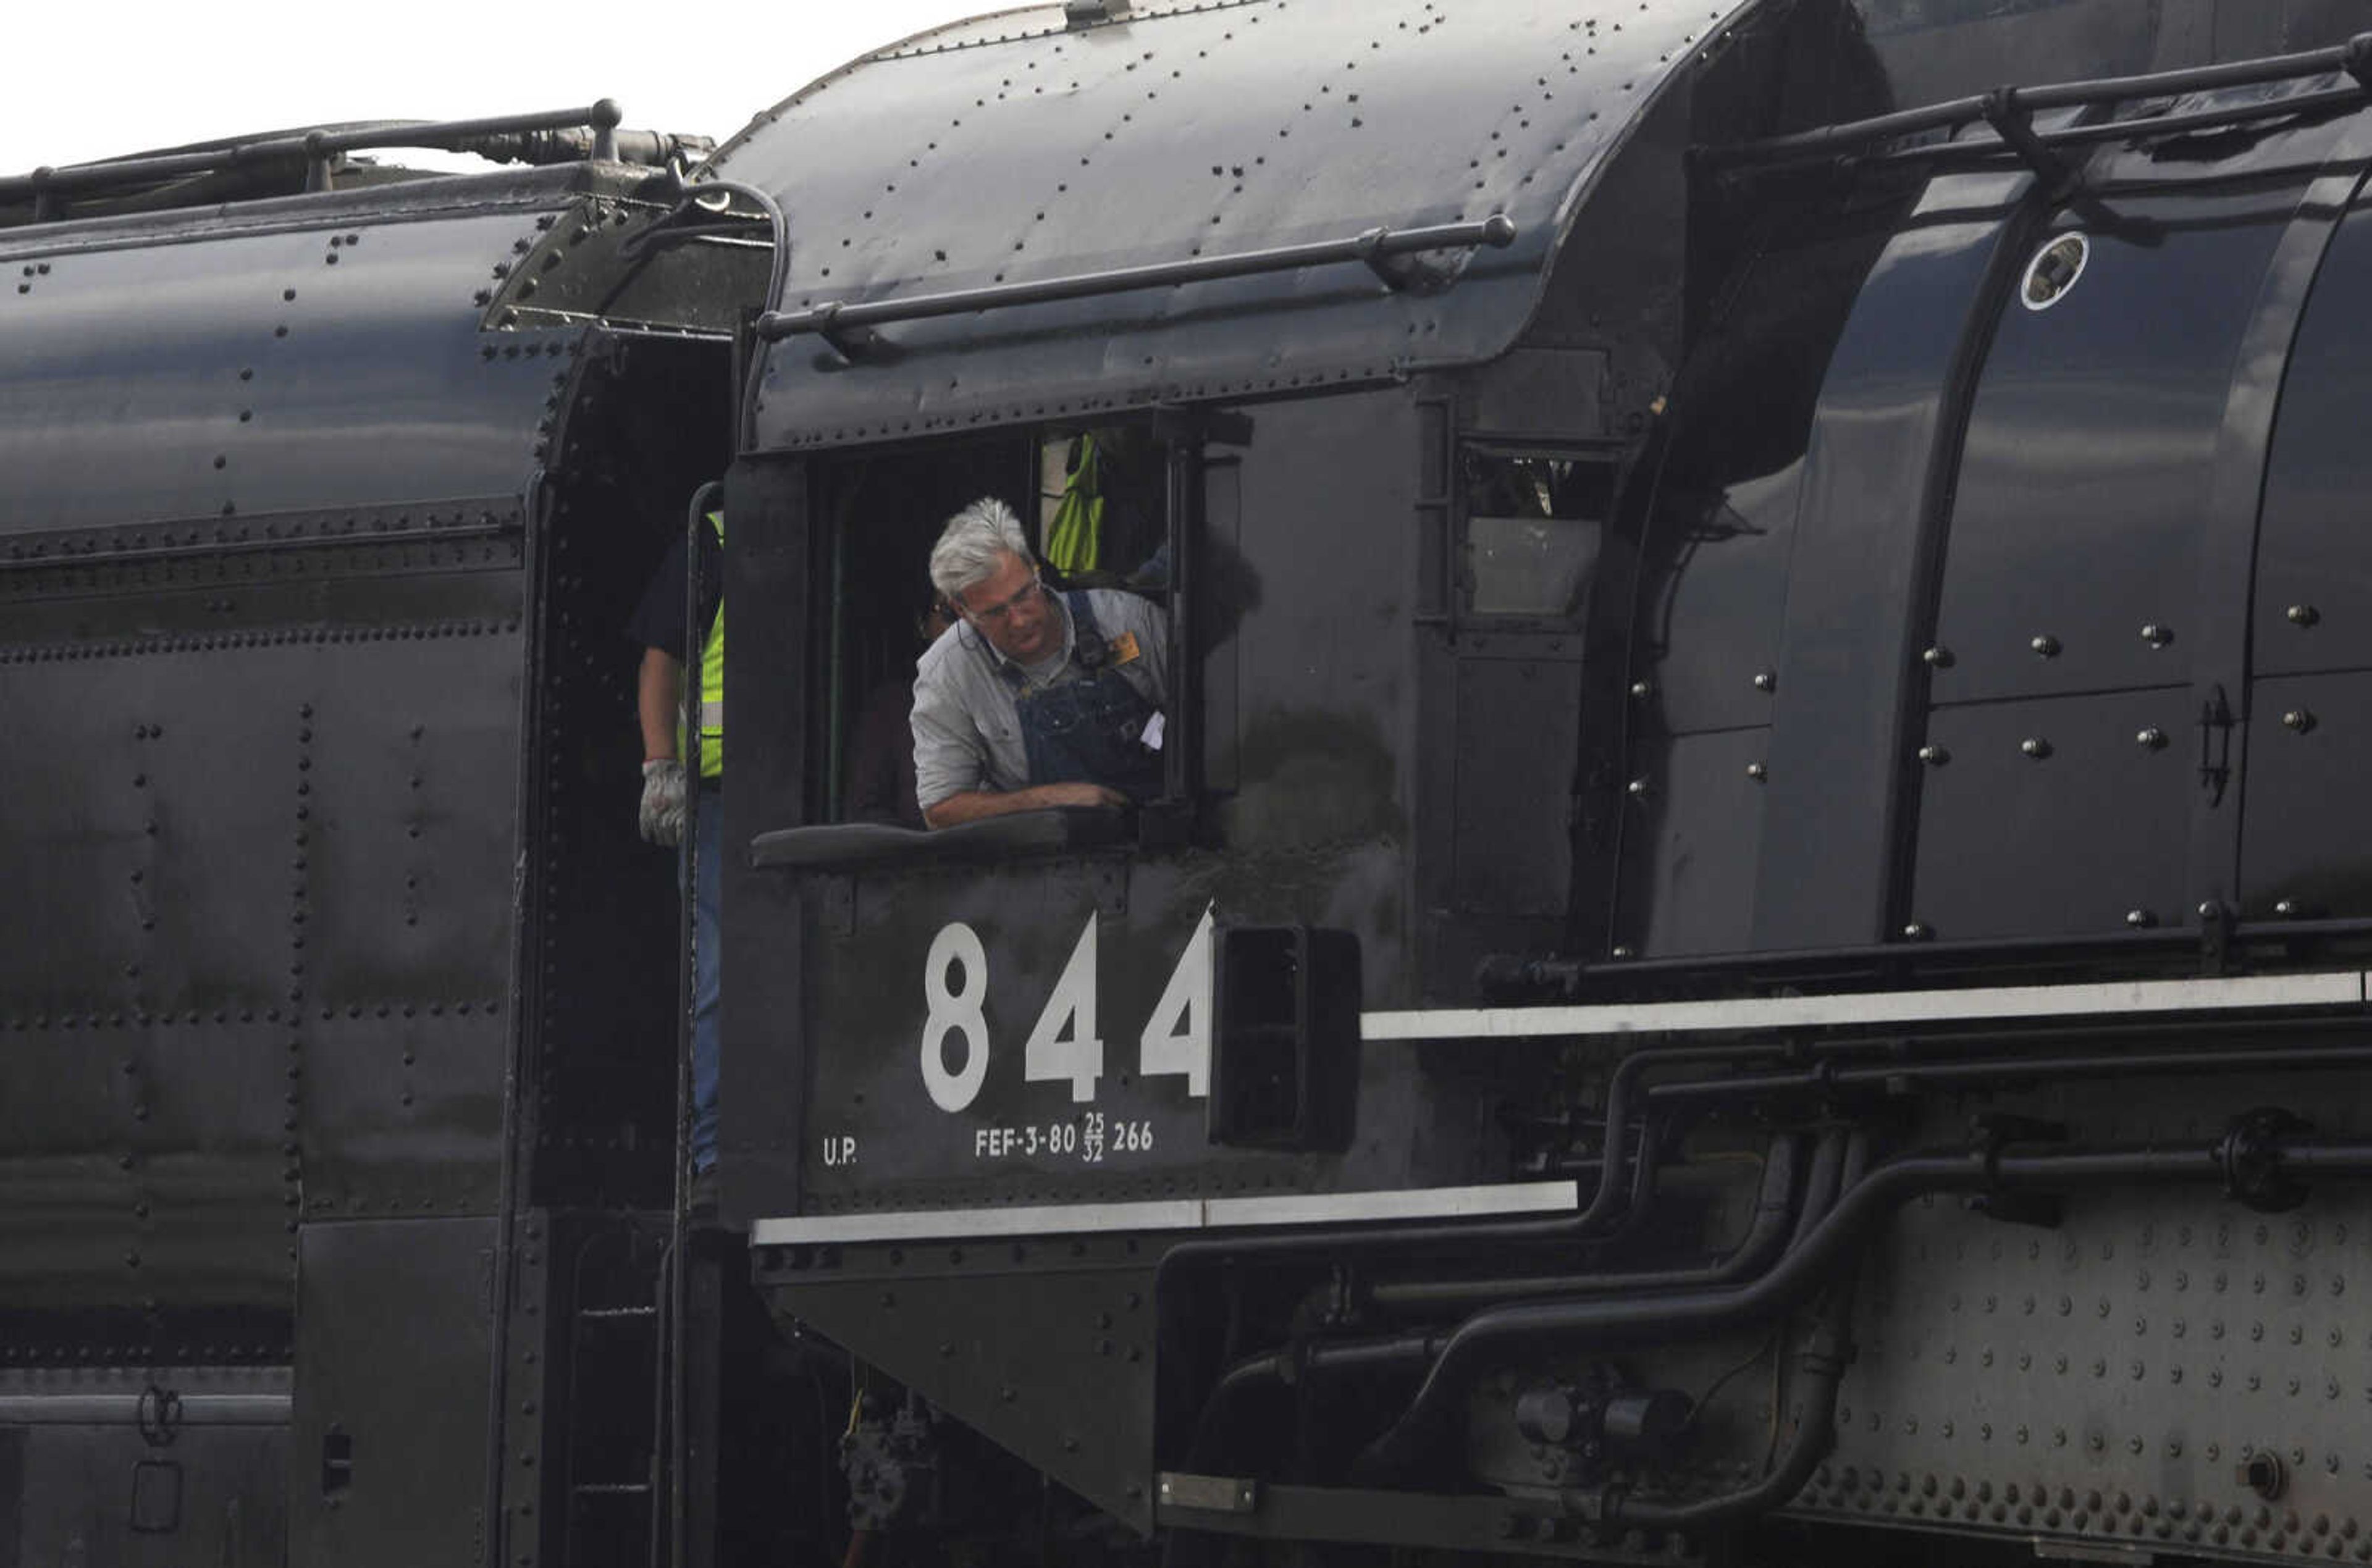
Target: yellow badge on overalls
[(1123, 648)]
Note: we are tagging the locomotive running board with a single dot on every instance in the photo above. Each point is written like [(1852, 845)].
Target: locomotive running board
[(2254, 993), (1179, 1213)]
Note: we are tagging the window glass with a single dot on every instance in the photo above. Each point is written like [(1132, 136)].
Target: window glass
[(1532, 532)]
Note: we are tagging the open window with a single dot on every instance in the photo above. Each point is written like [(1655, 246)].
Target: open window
[(1095, 500), (1532, 524)]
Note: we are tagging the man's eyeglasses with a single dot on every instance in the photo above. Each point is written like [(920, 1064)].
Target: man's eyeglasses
[(994, 615)]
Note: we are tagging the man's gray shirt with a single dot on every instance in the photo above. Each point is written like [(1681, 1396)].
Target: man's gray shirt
[(966, 730)]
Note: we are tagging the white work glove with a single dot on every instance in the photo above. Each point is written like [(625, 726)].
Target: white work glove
[(661, 818)]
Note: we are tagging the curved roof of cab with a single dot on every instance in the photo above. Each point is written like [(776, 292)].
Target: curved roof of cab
[(1030, 147)]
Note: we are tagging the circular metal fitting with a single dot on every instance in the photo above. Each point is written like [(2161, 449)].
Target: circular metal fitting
[(2304, 615), (2139, 920), (1937, 657), (1643, 690), (1917, 931), (2157, 637), (2150, 739), (2286, 908), (1637, 789), (1933, 755), (2035, 747), (1766, 680), (2054, 272), (2046, 646), (2299, 719), (1757, 772)]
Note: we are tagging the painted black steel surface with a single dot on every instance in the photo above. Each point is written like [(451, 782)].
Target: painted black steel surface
[(260, 372), (1012, 150)]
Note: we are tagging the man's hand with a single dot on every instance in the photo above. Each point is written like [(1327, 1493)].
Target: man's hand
[(661, 818)]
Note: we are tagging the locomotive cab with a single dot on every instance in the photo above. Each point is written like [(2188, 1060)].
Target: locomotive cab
[(1608, 812)]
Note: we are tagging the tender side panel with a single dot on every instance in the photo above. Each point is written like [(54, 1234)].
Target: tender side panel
[(245, 374)]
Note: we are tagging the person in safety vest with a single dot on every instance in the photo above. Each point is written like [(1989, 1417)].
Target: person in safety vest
[(1033, 698), (663, 701)]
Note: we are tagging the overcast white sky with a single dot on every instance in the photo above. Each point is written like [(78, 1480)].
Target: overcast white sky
[(90, 79)]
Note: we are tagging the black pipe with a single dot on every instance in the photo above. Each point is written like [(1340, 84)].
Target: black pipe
[(1820, 1370), (1592, 1326), (1300, 1247), (1777, 1214)]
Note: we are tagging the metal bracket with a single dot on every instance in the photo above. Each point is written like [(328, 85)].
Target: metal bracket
[(2356, 59), (2215, 746), (1209, 1494), (158, 1415), (2014, 123), (2216, 928), (1077, 13), (851, 343), (1992, 1128), (2251, 1156), (1215, 427)]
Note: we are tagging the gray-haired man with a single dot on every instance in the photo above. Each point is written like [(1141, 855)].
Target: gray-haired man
[(1033, 698)]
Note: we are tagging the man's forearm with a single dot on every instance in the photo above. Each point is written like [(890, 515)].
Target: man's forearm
[(658, 695), (971, 804)]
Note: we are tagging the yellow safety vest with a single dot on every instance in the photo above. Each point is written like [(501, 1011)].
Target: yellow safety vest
[(712, 685)]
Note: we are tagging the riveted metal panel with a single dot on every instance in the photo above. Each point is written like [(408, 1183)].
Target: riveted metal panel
[(1882, 440), (2090, 453), (1692, 827), (1714, 564), (1014, 150), (415, 1486), (2100, 1382), (1047, 1347), (105, 1495), (257, 372), (1515, 739), (2314, 579), (407, 756), (2308, 745), (2056, 817)]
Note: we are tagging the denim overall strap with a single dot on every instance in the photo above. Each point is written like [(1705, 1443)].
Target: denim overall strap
[(1088, 729)]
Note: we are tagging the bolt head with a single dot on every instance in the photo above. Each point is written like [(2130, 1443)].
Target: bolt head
[(2139, 920), (2304, 615), (2046, 646)]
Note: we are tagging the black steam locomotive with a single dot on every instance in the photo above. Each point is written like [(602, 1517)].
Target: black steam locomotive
[(1742, 951)]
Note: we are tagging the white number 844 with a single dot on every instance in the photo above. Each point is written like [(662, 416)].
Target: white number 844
[(1064, 1044)]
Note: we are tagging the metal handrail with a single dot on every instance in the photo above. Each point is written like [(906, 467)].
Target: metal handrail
[(2353, 58), (318, 145), (846, 326)]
